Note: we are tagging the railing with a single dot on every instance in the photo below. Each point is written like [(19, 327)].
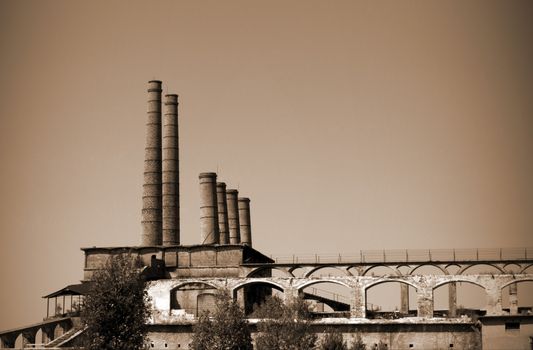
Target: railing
[(411, 255)]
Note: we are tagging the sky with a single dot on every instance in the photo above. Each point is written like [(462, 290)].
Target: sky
[(350, 124)]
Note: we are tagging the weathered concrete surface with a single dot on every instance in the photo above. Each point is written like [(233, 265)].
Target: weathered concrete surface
[(396, 334), (152, 211), (292, 286), (507, 332)]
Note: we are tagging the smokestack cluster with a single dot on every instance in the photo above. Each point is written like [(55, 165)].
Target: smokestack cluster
[(160, 212), (224, 217)]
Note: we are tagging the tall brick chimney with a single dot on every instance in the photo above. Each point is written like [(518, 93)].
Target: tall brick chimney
[(209, 233), (244, 221), (151, 211), (171, 189), (233, 216), (222, 205)]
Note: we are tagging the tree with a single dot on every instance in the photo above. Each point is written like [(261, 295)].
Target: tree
[(284, 327), (333, 341), (225, 329), (116, 308)]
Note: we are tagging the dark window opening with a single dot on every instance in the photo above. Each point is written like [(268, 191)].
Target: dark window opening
[(451, 345), (411, 345), (512, 325)]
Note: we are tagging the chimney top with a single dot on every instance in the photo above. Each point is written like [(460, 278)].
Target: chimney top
[(244, 199), (204, 175), (232, 191)]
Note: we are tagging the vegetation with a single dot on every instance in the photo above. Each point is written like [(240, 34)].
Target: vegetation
[(225, 329), (116, 309), (358, 343), (333, 341), (284, 327)]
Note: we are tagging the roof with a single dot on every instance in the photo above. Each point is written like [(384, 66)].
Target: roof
[(72, 289)]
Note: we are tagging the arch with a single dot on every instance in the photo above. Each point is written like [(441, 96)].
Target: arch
[(459, 279), (456, 300), (183, 283), (322, 280), (254, 272), (512, 268), (274, 285), (394, 272), (456, 267), (526, 268), (517, 280), (187, 296), (390, 298), (392, 280), (317, 268), (333, 293), (438, 267), (251, 294), (465, 268)]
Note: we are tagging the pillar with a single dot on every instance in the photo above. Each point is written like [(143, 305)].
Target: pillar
[(425, 301), (404, 298), (358, 307), (151, 211), (494, 300), (513, 299), (170, 168), (244, 221), (208, 209), (222, 206), (28, 337), (233, 217), (452, 299)]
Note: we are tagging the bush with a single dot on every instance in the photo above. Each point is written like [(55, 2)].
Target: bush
[(225, 329), (333, 341), (284, 327)]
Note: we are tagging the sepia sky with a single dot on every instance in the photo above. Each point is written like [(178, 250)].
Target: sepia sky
[(350, 124)]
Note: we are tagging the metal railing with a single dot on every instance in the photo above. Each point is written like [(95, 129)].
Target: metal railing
[(411, 255)]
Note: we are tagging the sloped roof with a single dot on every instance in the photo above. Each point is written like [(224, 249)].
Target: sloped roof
[(72, 289)]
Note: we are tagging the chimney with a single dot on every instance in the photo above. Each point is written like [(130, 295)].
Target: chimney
[(222, 205), (171, 189), (244, 221), (151, 211), (233, 217), (208, 209)]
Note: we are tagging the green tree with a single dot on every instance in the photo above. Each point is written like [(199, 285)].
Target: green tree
[(284, 327), (333, 341), (225, 329), (116, 309)]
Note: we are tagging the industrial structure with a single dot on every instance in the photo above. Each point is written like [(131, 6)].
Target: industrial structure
[(186, 278)]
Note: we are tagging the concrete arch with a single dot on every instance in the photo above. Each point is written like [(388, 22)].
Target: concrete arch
[(440, 284), (316, 268), (177, 285), (518, 280), (391, 280), (505, 267), (462, 270), (443, 270), (395, 272), (287, 272), (526, 267), (311, 282), (240, 285)]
